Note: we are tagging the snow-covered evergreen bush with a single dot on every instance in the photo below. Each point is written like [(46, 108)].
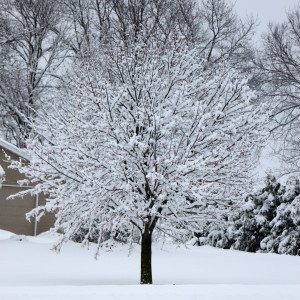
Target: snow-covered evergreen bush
[(284, 236), (220, 235), (258, 210), (268, 221)]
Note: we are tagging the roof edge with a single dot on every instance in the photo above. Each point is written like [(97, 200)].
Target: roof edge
[(14, 149)]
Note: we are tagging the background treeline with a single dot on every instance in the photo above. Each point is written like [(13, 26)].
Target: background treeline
[(41, 39)]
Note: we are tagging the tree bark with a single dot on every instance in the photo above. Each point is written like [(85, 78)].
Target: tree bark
[(146, 254)]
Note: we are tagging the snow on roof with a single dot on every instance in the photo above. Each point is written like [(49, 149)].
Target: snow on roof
[(2, 174), (14, 149)]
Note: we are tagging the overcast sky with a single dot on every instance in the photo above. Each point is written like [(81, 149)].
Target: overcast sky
[(265, 10)]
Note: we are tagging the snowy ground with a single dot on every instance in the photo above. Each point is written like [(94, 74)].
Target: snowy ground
[(31, 271)]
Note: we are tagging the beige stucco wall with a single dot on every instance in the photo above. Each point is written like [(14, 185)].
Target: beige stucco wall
[(12, 212), (47, 221)]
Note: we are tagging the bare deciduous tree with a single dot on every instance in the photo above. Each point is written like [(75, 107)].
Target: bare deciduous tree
[(280, 66), (30, 54), (226, 36)]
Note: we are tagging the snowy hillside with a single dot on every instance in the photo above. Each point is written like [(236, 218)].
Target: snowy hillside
[(30, 270)]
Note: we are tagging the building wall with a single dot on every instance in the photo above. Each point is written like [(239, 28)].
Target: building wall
[(47, 221), (13, 212)]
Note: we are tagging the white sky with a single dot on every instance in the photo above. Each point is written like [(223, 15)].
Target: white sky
[(265, 10)]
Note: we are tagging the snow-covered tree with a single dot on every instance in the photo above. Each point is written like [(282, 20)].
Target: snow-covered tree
[(142, 141)]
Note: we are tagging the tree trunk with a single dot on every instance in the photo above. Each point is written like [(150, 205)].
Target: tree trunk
[(146, 253)]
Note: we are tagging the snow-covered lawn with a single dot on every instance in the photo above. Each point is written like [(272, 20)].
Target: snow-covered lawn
[(29, 270)]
